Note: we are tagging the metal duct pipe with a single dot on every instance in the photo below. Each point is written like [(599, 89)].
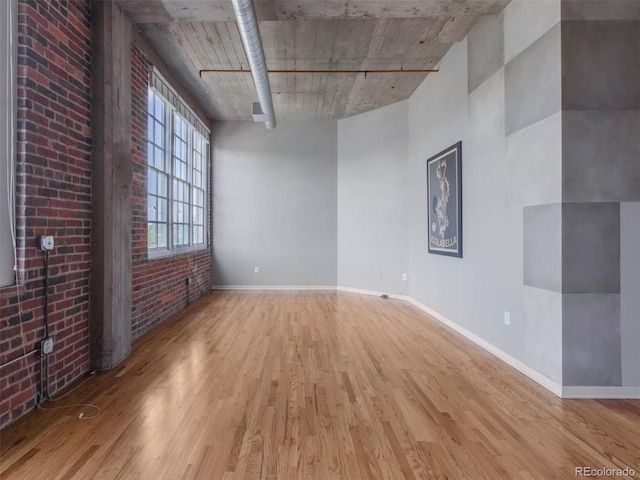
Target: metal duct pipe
[(250, 34)]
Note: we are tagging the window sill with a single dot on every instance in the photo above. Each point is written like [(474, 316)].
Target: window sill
[(157, 254)]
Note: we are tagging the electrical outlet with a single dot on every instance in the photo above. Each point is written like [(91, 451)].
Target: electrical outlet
[(256, 269), (404, 277), (46, 242), (46, 346), (507, 318)]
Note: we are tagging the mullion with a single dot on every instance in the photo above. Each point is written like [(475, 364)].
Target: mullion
[(197, 151), (189, 175), (153, 124), (168, 140), (178, 138)]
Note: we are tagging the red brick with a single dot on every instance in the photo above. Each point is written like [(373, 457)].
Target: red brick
[(54, 172)]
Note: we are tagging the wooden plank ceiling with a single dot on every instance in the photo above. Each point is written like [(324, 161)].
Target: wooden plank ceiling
[(194, 35)]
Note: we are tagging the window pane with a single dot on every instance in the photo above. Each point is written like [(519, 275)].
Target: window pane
[(162, 210), (198, 197), (159, 134), (185, 232), (179, 126), (197, 216), (151, 208), (177, 235), (159, 158), (159, 111), (196, 235), (151, 235), (162, 235), (150, 153), (152, 181), (162, 185)]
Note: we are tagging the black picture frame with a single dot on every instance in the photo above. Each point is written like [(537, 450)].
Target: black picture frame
[(444, 202)]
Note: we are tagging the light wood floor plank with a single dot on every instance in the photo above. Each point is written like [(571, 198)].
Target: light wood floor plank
[(315, 385)]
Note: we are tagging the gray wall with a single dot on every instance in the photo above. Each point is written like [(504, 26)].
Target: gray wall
[(551, 188), (601, 191), (275, 204), (551, 192), (630, 292), (498, 92), (373, 243)]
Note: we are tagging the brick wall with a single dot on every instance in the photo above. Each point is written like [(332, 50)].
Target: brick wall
[(159, 286), (53, 197)]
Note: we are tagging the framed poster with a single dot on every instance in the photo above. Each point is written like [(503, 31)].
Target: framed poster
[(444, 194)]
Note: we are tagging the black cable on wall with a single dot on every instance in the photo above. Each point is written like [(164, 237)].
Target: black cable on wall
[(46, 294)]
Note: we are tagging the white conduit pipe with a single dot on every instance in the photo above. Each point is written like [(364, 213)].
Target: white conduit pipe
[(250, 35)]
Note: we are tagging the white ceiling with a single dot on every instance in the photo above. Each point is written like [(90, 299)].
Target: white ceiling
[(195, 35)]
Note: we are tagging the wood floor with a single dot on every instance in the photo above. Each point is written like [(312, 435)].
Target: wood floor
[(281, 385)]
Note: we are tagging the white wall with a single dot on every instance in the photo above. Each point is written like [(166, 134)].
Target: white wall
[(7, 137), (275, 204), (373, 242)]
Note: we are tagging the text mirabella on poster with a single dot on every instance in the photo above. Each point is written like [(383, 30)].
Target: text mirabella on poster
[(445, 242)]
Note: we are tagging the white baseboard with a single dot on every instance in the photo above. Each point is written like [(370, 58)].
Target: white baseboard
[(534, 375), (505, 357), (553, 387), (601, 392), (274, 287), (373, 293)]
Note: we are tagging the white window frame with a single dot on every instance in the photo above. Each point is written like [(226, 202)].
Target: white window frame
[(8, 77), (175, 108)]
